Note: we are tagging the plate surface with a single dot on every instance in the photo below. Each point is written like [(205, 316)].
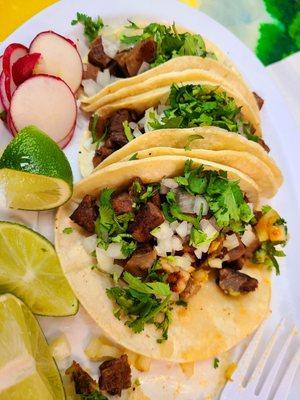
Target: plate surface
[(167, 381)]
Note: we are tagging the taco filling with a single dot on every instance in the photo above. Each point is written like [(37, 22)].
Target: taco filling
[(132, 49), (160, 242), (187, 106)]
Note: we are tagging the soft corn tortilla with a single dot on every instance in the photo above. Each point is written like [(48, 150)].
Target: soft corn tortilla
[(173, 71), (146, 99), (245, 162), (211, 324)]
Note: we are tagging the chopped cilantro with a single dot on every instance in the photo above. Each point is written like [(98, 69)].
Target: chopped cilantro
[(216, 363), (198, 105), (181, 302), (68, 230), (134, 157), (157, 288), (92, 27), (267, 254), (93, 396), (132, 25), (197, 237), (191, 139), (265, 209), (137, 382), (169, 42), (127, 131), (94, 266)]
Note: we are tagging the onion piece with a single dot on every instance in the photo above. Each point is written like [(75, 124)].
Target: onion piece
[(183, 262), (215, 263), (184, 229), (90, 87), (169, 183), (163, 231), (176, 244), (143, 68), (200, 205), (208, 228), (231, 242), (186, 202), (110, 47), (104, 261), (90, 243), (114, 251), (248, 236)]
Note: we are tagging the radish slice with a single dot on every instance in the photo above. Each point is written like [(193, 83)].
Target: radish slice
[(3, 95), (23, 68), (63, 143), (59, 58), (11, 54), (1, 69), (10, 124), (46, 102)]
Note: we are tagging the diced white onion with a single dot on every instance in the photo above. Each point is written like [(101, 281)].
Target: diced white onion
[(114, 250), (110, 47), (183, 262), (213, 222), (208, 228), (174, 225), (215, 263), (90, 87), (182, 229), (231, 242), (203, 248), (198, 253), (176, 243), (186, 202), (132, 125), (248, 236), (161, 108), (104, 261), (169, 183), (200, 205), (90, 243), (163, 231), (136, 133), (163, 247), (141, 122), (143, 68)]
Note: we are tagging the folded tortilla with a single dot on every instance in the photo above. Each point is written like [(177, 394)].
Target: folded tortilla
[(212, 322)]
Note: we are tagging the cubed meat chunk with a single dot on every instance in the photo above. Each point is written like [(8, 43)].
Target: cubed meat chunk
[(97, 55), (122, 203), (155, 199), (84, 383), (131, 60), (190, 290), (101, 154), (237, 252), (90, 71), (116, 128), (234, 282), (115, 375), (259, 100), (178, 281), (86, 214), (141, 260), (146, 219)]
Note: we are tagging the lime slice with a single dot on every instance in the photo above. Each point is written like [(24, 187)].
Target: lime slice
[(27, 369), (34, 172), (30, 269)]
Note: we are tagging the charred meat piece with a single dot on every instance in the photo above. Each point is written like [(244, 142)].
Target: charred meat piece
[(251, 248), (84, 384), (137, 187), (116, 128), (155, 199), (115, 375), (141, 260), (86, 214), (131, 60), (101, 154), (178, 281), (236, 264), (146, 219), (97, 55), (259, 100), (234, 282), (190, 290), (100, 128), (90, 71), (264, 145), (237, 252), (122, 203)]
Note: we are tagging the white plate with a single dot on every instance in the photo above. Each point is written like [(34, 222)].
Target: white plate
[(165, 380)]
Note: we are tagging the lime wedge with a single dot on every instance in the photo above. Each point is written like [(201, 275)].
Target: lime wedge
[(30, 269), (34, 172), (27, 369)]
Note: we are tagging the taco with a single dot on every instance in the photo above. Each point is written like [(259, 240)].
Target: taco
[(170, 256)]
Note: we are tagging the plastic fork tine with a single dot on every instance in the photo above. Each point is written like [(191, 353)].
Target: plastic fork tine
[(253, 381), (267, 386), (283, 390)]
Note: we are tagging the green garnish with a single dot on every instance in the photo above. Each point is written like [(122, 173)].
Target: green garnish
[(141, 302), (216, 363), (93, 396), (92, 27), (169, 42), (181, 303), (191, 139), (265, 209), (267, 254), (132, 25), (197, 105), (67, 231), (127, 131), (134, 157)]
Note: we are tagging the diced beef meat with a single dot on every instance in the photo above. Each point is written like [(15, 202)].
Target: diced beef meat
[(259, 100), (237, 252), (97, 55), (236, 264), (137, 187), (147, 218), (190, 290), (100, 128), (86, 214), (122, 203), (116, 128), (264, 145), (155, 199), (131, 60), (101, 154), (178, 281), (84, 384), (90, 71), (141, 260), (234, 282), (115, 375)]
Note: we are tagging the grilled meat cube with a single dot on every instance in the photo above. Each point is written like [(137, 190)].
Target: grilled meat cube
[(97, 55), (141, 260), (234, 282), (115, 375), (147, 218), (84, 383), (86, 214)]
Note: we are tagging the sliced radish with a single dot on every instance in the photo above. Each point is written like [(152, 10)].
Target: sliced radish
[(23, 68), (46, 102), (1, 69), (10, 124), (11, 54), (3, 95), (63, 143), (59, 58)]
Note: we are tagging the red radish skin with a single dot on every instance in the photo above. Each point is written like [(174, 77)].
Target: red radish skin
[(23, 68), (11, 54), (59, 58), (1, 69), (10, 124), (46, 102), (4, 100), (63, 143)]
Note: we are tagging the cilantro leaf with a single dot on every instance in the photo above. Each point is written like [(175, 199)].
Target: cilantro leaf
[(127, 131), (216, 363), (267, 254), (92, 27), (157, 288), (132, 25), (68, 230), (93, 396), (191, 139)]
